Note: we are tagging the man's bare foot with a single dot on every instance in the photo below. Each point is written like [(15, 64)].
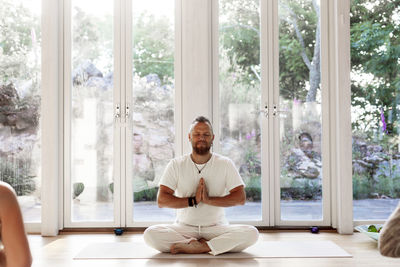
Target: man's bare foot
[(194, 247), (202, 240)]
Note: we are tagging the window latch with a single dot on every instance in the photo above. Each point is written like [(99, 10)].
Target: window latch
[(117, 111)]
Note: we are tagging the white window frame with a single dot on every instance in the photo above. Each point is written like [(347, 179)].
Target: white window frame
[(326, 199), (196, 93), (118, 124), (127, 216)]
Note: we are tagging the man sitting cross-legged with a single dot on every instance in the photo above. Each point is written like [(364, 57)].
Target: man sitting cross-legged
[(199, 186)]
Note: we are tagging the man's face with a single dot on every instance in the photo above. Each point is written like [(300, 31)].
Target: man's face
[(201, 138)]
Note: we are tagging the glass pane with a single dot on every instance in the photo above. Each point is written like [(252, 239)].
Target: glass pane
[(153, 104), (300, 110), (375, 97), (239, 98), (20, 96), (92, 111)]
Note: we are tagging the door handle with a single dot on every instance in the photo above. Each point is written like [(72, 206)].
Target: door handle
[(265, 111), (117, 111), (276, 111), (127, 112)]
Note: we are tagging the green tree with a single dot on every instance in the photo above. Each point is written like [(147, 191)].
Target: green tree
[(299, 39), (19, 38), (375, 51), (153, 46)]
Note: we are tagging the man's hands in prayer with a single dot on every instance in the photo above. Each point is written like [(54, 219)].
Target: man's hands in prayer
[(202, 192), (236, 196), (199, 191)]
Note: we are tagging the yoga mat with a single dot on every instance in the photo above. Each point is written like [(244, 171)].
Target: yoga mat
[(262, 249)]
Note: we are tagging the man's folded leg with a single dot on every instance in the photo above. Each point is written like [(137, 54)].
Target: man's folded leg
[(229, 238), (163, 236)]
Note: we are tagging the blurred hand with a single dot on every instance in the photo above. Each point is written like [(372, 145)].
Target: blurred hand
[(199, 191)]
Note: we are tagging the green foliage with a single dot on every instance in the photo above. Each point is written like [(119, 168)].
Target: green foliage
[(19, 44), (362, 187), (146, 195), (302, 190), (240, 40), (111, 187), (388, 185), (365, 187), (375, 50), (92, 39), (78, 189), (16, 173), (372, 228), (250, 171), (293, 72), (153, 46), (85, 36), (253, 193)]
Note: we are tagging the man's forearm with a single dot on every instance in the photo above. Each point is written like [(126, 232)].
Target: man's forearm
[(171, 201), (230, 200)]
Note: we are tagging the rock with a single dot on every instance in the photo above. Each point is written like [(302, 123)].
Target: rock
[(84, 71), (8, 95), (153, 79), (361, 167), (360, 146), (374, 148), (18, 114), (17, 144), (374, 159), (396, 156), (97, 82), (160, 148), (303, 166)]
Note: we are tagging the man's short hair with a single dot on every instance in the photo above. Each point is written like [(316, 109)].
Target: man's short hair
[(200, 119)]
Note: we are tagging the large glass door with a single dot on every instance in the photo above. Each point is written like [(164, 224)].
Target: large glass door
[(269, 110), (92, 111), (375, 110), (299, 111), (20, 103), (150, 137), (119, 110), (240, 108), (272, 108)]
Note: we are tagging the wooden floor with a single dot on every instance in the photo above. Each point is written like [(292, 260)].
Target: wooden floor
[(363, 249)]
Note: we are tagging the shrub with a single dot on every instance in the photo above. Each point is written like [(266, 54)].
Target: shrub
[(146, 195), (362, 187), (78, 189), (16, 173)]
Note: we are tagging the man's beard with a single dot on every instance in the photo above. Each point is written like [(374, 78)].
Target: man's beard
[(203, 150)]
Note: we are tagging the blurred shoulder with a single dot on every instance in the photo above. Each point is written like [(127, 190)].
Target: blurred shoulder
[(220, 159), (180, 160), (6, 189)]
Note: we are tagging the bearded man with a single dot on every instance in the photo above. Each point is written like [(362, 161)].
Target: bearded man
[(199, 185)]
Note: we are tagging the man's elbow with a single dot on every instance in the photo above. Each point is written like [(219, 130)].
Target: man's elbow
[(160, 202), (242, 199)]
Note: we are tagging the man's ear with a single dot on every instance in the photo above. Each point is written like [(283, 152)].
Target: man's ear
[(189, 137)]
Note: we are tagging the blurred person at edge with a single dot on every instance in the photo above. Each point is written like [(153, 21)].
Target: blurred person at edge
[(14, 247)]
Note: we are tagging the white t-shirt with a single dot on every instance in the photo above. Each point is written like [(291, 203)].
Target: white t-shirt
[(220, 176)]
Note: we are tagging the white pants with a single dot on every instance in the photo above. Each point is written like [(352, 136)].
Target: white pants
[(222, 238)]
